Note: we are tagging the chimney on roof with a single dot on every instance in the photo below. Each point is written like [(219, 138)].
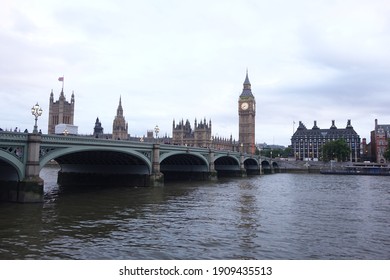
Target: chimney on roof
[(315, 125)]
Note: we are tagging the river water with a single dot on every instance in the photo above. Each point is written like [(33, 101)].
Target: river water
[(279, 216)]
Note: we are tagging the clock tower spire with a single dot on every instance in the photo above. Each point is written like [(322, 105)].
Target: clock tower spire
[(246, 118)]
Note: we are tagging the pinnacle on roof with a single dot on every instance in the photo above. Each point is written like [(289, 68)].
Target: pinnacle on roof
[(247, 92), (120, 109), (246, 82)]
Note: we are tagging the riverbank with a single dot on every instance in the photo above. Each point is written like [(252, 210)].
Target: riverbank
[(338, 168), (310, 166)]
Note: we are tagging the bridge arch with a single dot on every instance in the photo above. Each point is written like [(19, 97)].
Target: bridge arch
[(227, 165), (275, 167), (100, 166), (166, 155), (63, 152), (184, 165), (266, 166), (11, 168), (252, 166)]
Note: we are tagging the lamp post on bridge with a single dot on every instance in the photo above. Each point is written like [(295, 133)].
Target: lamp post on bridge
[(156, 130), (36, 111)]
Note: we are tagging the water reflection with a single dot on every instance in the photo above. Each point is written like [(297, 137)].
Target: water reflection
[(282, 216), (249, 217)]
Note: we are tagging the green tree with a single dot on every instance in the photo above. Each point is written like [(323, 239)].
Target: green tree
[(335, 150), (387, 152), (287, 152), (275, 152)]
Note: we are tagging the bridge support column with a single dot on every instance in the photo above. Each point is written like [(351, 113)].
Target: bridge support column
[(272, 167), (260, 167), (213, 174), (30, 189), (156, 179), (242, 167)]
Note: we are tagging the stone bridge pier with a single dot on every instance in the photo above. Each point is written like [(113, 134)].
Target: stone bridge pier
[(156, 179), (29, 188)]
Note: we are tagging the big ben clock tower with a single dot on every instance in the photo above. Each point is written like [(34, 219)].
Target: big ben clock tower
[(246, 118)]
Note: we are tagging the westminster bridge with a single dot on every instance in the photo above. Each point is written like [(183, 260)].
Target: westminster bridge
[(87, 160)]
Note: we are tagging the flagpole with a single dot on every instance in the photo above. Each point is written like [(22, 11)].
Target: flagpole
[(293, 127), (61, 79)]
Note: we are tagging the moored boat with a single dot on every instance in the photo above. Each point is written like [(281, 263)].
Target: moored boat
[(361, 169)]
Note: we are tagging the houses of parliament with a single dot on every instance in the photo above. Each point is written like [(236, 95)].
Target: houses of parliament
[(200, 135)]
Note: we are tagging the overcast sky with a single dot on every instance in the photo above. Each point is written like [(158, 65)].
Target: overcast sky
[(307, 60)]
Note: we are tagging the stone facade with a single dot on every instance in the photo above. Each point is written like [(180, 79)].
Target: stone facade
[(120, 127), (379, 141), (60, 112), (98, 131), (200, 136), (246, 116), (307, 143), (183, 134)]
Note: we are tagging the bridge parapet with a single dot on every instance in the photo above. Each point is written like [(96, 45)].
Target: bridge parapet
[(13, 143), (86, 140), (5, 135)]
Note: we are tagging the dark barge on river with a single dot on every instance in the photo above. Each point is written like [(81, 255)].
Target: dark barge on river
[(363, 168)]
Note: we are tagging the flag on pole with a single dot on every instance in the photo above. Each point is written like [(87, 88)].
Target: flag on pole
[(61, 79)]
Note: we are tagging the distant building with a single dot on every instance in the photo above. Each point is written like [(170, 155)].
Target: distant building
[(307, 143), (98, 129), (200, 136), (120, 127), (246, 118), (379, 140), (60, 112), (365, 151)]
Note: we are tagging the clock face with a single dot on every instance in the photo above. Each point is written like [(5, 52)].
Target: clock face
[(244, 106)]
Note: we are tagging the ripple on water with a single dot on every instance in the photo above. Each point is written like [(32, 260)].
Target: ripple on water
[(280, 216)]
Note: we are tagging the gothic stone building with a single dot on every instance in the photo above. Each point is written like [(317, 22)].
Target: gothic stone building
[(379, 141), (60, 112), (246, 118), (200, 136), (98, 131), (120, 127), (307, 143), (183, 134)]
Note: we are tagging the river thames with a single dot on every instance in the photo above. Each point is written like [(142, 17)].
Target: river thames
[(279, 216)]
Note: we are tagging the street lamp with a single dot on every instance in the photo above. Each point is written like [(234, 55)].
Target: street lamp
[(156, 130), (36, 111)]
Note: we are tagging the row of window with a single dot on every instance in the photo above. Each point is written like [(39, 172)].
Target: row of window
[(325, 140), (315, 146), (65, 119)]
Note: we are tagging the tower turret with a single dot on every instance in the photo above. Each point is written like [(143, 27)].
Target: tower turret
[(119, 127), (60, 111)]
